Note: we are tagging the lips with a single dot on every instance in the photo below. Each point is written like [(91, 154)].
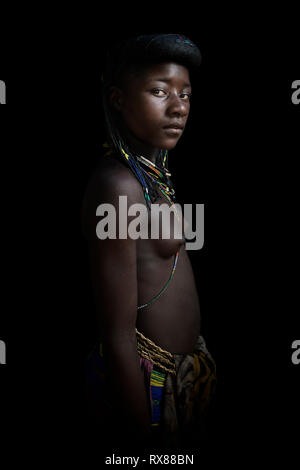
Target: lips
[(174, 126), (173, 130)]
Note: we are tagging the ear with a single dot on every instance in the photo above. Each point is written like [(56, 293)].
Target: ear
[(116, 97)]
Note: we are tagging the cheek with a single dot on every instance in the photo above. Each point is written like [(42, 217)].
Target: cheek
[(143, 113)]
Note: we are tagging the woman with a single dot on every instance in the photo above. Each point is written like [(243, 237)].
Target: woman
[(152, 375)]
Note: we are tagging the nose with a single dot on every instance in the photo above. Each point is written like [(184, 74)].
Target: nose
[(178, 107)]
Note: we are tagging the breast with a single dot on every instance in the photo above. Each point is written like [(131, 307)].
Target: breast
[(165, 231)]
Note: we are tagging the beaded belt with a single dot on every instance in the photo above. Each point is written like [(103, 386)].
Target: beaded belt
[(156, 355)]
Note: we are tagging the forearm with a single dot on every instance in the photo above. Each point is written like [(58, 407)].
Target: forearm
[(126, 384)]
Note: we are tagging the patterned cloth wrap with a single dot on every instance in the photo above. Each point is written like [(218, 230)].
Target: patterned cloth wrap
[(179, 399)]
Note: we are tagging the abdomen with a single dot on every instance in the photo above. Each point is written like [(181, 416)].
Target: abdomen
[(173, 320)]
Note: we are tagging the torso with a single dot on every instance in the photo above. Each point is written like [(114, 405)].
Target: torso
[(173, 320)]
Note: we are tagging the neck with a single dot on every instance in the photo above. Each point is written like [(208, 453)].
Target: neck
[(140, 148)]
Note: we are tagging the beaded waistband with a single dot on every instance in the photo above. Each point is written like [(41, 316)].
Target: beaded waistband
[(155, 354)]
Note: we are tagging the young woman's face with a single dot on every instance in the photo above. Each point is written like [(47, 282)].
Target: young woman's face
[(155, 104)]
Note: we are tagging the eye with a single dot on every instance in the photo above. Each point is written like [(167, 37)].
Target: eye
[(158, 92), (186, 96)]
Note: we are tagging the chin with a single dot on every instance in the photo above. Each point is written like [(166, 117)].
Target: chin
[(169, 145)]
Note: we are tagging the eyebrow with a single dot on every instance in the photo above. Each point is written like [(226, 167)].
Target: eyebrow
[(167, 80)]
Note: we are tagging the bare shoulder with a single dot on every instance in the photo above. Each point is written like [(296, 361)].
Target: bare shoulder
[(110, 180)]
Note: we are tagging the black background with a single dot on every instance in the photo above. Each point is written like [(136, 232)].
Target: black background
[(237, 156)]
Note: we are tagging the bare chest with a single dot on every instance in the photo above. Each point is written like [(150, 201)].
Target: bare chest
[(163, 231)]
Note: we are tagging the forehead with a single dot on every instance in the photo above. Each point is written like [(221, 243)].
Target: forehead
[(166, 71)]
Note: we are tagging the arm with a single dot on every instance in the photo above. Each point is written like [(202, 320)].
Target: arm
[(114, 276)]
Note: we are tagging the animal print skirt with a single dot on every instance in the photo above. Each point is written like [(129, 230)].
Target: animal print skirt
[(180, 401), (179, 389)]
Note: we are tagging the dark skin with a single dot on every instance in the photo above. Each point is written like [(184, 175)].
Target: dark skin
[(128, 273)]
